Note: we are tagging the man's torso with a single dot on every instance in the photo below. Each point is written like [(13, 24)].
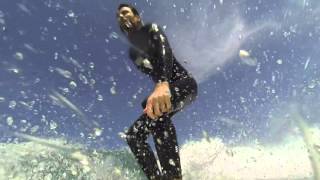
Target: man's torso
[(144, 55)]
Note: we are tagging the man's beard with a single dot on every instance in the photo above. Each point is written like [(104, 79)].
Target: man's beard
[(127, 26)]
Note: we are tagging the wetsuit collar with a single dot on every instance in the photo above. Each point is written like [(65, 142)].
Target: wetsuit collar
[(132, 33)]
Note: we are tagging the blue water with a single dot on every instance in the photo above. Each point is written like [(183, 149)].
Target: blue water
[(65, 72)]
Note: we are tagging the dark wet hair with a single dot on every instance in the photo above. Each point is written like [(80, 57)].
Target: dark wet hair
[(133, 9)]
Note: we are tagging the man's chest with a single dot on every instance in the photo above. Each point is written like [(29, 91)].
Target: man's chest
[(144, 44)]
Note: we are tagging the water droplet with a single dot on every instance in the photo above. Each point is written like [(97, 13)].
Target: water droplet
[(12, 104), (312, 84), (83, 78), (242, 99), (50, 19), (279, 61), (53, 125), (10, 121), (18, 56), (113, 35), (71, 14), (113, 90), (307, 63), (98, 131), (56, 55), (34, 129), (65, 73), (100, 97), (91, 65), (72, 84)]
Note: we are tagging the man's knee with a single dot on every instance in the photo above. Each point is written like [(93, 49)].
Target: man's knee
[(130, 139)]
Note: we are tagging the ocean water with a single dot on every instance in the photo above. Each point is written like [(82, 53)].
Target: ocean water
[(206, 158), (68, 89)]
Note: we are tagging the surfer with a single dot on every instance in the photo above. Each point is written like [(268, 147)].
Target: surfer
[(174, 89)]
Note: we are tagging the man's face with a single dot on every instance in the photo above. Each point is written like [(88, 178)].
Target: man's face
[(127, 20)]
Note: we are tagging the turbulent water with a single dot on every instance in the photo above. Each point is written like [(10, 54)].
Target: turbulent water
[(67, 88), (204, 159)]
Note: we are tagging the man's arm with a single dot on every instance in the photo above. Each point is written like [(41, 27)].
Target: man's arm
[(163, 59), (159, 101)]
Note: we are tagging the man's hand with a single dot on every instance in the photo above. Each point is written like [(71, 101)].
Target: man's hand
[(159, 101)]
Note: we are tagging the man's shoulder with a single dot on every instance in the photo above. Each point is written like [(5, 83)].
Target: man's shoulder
[(153, 27)]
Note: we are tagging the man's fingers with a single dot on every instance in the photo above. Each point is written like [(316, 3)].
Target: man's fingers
[(168, 103), (156, 109), (162, 105), (150, 113), (149, 109), (163, 108)]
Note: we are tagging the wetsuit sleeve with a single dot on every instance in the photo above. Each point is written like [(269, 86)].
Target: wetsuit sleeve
[(163, 55), (132, 54), (137, 60)]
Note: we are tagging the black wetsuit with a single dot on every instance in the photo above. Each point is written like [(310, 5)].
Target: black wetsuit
[(151, 53)]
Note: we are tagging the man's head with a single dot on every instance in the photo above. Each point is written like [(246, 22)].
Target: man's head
[(128, 18)]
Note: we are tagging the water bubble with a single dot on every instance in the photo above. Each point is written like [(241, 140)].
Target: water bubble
[(10, 120), (37, 80), (65, 90), (73, 84), (56, 55), (92, 82), (65, 73), (50, 19), (273, 78), (279, 61), (53, 125), (51, 69), (100, 97), (82, 134), (242, 99), (98, 131), (83, 78), (18, 56), (34, 129), (307, 63), (246, 58), (130, 104), (113, 35), (91, 65), (134, 96), (286, 34), (71, 14), (1, 14), (12, 104), (113, 90), (14, 70), (312, 84)]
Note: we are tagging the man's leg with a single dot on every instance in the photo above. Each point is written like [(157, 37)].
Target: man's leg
[(183, 92), (165, 139), (164, 133), (137, 140)]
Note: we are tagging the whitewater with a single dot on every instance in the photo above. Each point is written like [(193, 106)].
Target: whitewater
[(203, 159)]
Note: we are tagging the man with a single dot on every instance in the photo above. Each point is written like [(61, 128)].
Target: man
[(174, 89)]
